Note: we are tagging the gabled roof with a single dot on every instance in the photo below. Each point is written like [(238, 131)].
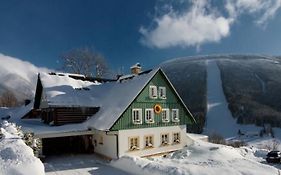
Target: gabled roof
[(113, 98), (116, 100)]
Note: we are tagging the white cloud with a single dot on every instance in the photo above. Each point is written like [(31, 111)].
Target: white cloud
[(262, 10), (202, 23)]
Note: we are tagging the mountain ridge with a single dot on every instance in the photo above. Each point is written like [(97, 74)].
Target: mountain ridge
[(244, 79)]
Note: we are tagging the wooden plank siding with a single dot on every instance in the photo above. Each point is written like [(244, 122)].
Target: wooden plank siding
[(64, 115), (143, 101)]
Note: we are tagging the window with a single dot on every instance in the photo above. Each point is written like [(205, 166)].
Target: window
[(162, 92), (175, 115), (137, 116), (176, 138), (153, 92), (134, 143), (165, 115), (164, 139), (101, 140), (148, 141), (149, 116)]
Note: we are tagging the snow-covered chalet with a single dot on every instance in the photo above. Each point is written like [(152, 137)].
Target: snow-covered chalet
[(139, 114)]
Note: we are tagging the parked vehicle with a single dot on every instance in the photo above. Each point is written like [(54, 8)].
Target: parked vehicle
[(273, 157)]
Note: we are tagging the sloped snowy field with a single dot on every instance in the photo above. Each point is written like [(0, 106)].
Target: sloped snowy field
[(202, 158), (16, 158)]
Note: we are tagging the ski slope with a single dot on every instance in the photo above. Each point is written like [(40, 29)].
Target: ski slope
[(219, 119)]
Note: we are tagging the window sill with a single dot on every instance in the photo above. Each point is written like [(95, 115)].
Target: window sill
[(136, 149), (148, 147), (164, 144), (137, 123)]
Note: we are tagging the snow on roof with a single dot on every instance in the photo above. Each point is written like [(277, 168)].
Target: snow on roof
[(62, 90), (112, 98), (119, 96), (39, 128), (137, 65)]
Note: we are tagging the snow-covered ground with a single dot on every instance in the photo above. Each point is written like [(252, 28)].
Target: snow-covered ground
[(202, 158), (79, 164), (16, 158)]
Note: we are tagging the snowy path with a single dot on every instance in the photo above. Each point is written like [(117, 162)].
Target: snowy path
[(219, 118), (262, 83), (79, 165)]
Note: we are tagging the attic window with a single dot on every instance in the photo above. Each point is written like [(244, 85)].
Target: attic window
[(153, 92), (137, 116), (162, 92), (78, 89), (175, 115)]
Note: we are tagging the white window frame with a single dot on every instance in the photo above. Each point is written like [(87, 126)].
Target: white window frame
[(178, 139), (148, 141), (177, 118), (164, 92), (101, 140), (151, 119), (153, 92), (166, 140), (167, 111), (139, 111), (136, 143)]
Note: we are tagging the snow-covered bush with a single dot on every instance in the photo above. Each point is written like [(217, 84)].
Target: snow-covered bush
[(236, 143), (15, 156), (33, 143), (28, 138), (12, 128), (216, 138), (274, 145)]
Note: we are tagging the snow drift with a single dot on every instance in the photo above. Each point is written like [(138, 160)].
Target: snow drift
[(202, 158), (16, 157)]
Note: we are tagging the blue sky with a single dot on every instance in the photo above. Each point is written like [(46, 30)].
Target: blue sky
[(145, 31)]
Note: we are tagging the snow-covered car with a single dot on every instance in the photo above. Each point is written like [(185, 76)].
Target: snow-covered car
[(273, 157)]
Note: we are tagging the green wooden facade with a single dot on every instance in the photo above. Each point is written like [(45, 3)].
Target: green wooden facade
[(143, 101)]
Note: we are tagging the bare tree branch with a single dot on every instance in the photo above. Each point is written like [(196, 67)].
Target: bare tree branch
[(8, 99), (84, 61)]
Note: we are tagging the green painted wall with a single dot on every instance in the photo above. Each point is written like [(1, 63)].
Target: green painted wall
[(144, 101)]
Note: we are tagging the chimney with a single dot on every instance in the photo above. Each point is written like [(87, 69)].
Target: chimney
[(136, 69)]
